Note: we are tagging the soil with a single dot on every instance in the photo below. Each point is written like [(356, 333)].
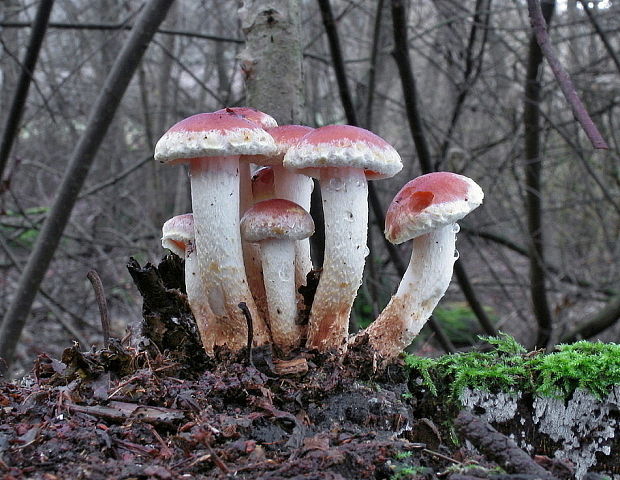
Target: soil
[(160, 409)]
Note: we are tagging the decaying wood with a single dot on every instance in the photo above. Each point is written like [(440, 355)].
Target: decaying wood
[(498, 447), (167, 319)]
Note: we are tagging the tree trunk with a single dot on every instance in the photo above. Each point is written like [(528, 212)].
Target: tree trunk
[(533, 174), (272, 59)]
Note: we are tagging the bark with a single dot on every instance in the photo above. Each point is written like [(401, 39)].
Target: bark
[(101, 117), (533, 173), (498, 447), (272, 59), (11, 127)]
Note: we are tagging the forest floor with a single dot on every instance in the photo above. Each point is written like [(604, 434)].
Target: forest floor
[(133, 412), (120, 413)]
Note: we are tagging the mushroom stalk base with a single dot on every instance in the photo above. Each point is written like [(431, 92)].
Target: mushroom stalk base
[(197, 299), (215, 201), (278, 257), (345, 209), (424, 283)]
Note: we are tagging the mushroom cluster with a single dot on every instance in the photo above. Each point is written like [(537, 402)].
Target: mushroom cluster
[(248, 237)]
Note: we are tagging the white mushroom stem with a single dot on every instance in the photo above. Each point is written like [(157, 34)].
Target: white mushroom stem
[(251, 251), (424, 283), (345, 209), (197, 300), (215, 200), (278, 258), (296, 188)]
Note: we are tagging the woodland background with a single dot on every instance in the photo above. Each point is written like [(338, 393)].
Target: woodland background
[(539, 260)]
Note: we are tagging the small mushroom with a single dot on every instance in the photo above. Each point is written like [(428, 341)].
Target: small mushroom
[(251, 253), (212, 144), (276, 224), (426, 210), (262, 189), (343, 157), (291, 186), (178, 237)]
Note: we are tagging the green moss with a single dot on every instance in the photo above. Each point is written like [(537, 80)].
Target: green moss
[(594, 367), (407, 472), (590, 366), (502, 369), (402, 455)]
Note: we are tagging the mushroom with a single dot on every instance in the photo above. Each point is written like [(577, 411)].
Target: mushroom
[(291, 186), (251, 253), (212, 143), (178, 237), (342, 157), (262, 189), (426, 210), (276, 224)]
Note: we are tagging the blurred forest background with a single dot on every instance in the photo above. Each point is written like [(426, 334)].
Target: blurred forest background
[(542, 251)]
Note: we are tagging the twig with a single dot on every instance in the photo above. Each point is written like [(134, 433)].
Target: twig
[(120, 176), (248, 318), (215, 457), (95, 280), (443, 457), (539, 26)]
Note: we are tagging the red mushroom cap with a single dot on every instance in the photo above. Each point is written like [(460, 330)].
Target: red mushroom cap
[(261, 119), (285, 137), (210, 135), (344, 146), (276, 218), (177, 232), (429, 202)]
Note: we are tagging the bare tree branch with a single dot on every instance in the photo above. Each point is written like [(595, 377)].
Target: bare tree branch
[(596, 323), (539, 25), (11, 127), (401, 56), (123, 26), (347, 104), (602, 35), (410, 91), (83, 156)]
